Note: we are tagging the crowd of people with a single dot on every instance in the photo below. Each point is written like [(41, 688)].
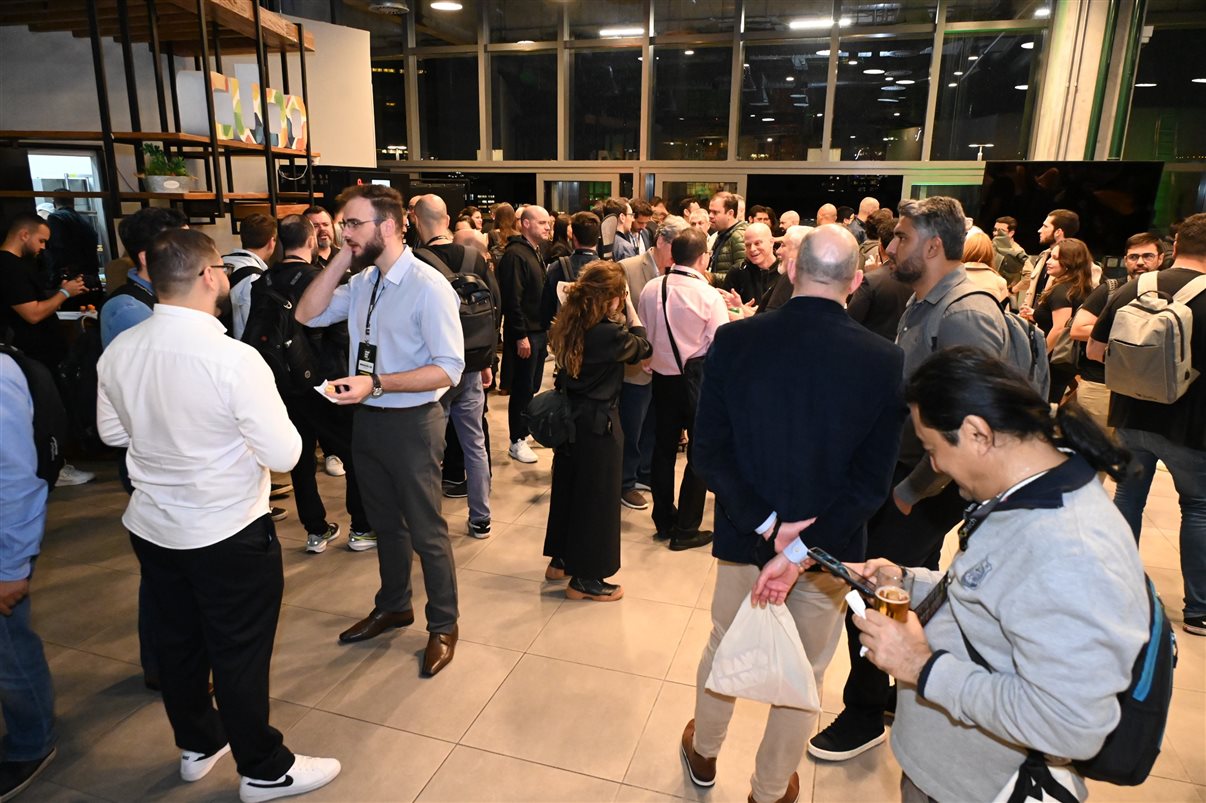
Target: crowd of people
[(849, 386)]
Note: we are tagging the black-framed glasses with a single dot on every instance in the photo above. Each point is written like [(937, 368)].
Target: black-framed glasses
[(215, 267), (1149, 257), (353, 223)]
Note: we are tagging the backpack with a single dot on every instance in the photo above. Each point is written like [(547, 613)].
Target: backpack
[(1025, 345), (77, 384), (49, 415), (273, 331), (479, 314), (1148, 356)]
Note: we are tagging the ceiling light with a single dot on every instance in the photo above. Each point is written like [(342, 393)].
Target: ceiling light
[(688, 52), (958, 72), (753, 115), (892, 88), (530, 42), (810, 23), (1144, 86), (1022, 87), (790, 79), (844, 22), (1198, 80), (905, 82), (1042, 13), (820, 114), (952, 85), (889, 78), (768, 119), (798, 95), (770, 139), (609, 32), (972, 58), (852, 136), (446, 5), (895, 114), (822, 52), (873, 71), (888, 100), (1027, 45), (852, 62)]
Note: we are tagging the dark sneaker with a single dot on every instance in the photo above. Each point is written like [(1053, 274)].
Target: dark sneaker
[(280, 491), (702, 770), (278, 513), (16, 776), (680, 541), (634, 499), (317, 542), (456, 490), (846, 737), (480, 529), (1195, 625)]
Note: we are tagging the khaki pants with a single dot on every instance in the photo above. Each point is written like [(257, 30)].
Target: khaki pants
[(817, 606), (1094, 397)]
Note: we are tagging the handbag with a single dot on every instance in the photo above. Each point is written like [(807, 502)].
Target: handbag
[(693, 369), (550, 418), (1066, 350)]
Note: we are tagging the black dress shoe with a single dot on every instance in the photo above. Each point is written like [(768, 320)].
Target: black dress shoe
[(439, 652), (598, 590), (375, 624), (689, 540)]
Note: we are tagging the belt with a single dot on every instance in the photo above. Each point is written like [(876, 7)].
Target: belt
[(372, 408)]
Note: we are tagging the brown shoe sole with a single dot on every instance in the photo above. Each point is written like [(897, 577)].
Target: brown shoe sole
[(574, 593), (554, 574)]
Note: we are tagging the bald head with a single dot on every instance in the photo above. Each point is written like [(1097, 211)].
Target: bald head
[(866, 208), (788, 219), (431, 216), (759, 245), (826, 214), (790, 248), (472, 238), (534, 225), (828, 257), (532, 211)]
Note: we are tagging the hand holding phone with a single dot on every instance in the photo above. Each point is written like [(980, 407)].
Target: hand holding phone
[(838, 569)]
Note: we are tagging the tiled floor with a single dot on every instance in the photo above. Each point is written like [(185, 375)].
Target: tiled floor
[(547, 700)]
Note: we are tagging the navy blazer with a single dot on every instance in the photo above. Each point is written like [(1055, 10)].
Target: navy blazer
[(800, 413)]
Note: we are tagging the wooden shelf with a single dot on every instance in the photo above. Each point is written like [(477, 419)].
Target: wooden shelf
[(155, 196), (234, 147), (50, 194), (52, 136)]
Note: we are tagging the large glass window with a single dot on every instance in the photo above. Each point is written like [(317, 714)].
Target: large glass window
[(389, 109), (524, 95), (783, 100), (691, 98), (1168, 107), (879, 110), (605, 104), (454, 23), (528, 21), (448, 106), (868, 13), (606, 20), (693, 16), (986, 96)]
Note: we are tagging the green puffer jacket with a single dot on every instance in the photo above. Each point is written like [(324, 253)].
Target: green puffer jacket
[(729, 254)]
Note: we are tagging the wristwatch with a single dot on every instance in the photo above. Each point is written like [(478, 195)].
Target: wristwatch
[(377, 389)]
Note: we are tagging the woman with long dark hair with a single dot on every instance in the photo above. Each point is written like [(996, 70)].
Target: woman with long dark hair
[(1032, 633), (505, 226), (595, 334), (560, 245), (1070, 267)]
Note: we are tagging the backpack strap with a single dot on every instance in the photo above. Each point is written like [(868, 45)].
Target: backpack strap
[(1190, 291), (243, 272), (678, 360), (946, 302), (1147, 283), (468, 260), (567, 269), (432, 258)]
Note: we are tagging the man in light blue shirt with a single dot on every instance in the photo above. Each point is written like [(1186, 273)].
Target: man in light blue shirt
[(407, 350)]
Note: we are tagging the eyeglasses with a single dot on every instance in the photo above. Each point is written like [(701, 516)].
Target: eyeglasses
[(1149, 257), (353, 223), (215, 267)]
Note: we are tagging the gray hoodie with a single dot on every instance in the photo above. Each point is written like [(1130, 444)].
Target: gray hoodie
[(1051, 593)]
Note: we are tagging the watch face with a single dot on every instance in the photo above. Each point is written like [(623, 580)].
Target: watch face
[(377, 392)]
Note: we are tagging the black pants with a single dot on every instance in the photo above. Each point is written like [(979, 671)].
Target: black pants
[(318, 420), (526, 374), (673, 413), (217, 611), (912, 540)]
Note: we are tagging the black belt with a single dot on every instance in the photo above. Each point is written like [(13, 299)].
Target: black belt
[(372, 408)]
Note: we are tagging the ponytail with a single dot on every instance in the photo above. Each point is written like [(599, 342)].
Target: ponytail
[(1080, 433)]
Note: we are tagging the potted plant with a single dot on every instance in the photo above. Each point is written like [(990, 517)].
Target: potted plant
[(164, 173)]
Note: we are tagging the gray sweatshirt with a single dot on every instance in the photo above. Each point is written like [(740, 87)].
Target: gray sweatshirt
[(1051, 593)]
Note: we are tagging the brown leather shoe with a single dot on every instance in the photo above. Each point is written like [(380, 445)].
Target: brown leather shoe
[(375, 624), (440, 648), (792, 793), (702, 770), (555, 570)]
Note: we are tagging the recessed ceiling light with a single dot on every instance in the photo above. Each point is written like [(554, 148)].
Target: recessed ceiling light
[(958, 72), (688, 52), (640, 58), (446, 5), (1198, 80), (972, 58), (820, 114), (889, 78), (844, 22), (609, 32), (768, 119), (852, 136), (770, 139), (1042, 13), (822, 52), (888, 100), (852, 62), (952, 85), (530, 42), (905, 82), (1027, 45), (873, 71), (810, 23), (798, 95), (892, 88), (1022, 87), (1144, 86), (895, 114)]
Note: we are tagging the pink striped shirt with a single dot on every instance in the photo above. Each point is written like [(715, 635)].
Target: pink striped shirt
[(696, 310)]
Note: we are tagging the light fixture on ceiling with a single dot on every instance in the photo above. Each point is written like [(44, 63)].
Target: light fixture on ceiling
[(873, 71), (798, 95), (1198, 80), (607, 33), (390, 8), (810, 23), (1144, 86), (958, 72), (888, 100), (820, 114), (952, 85), (895, 114), (790, 79), (531, 42), (905, 82), (770, 139), (853, 62), (1042, 13), (822, 52), (892, 88), (973, 58), (446, 5), (1027, 45), (688, 52), (1022, 87), (768, 119)]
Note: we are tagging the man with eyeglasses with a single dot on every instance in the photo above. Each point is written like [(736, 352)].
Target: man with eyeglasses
[(407, 349)]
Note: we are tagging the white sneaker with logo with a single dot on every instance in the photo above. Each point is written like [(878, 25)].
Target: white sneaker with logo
[(306, 775), (70, 475), (195, 766), (334, 466), (522, 452)]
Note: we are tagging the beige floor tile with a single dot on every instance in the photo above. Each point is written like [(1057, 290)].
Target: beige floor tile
[(387, 687), (379, 763), (874, 775), (653, 572), (1186, 732), (690, 648), (536, 514), (520, 553), (1157, 550), (1190, 673), (1154, 790), (634, 794), (704, 600), (338, 581), (59, 589), (462, 779), (47, 792), (504, 611), (579, 718), (308, 660)]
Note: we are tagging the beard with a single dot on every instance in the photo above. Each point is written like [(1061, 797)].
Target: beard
[(368, 253), (222, 306), (910, 270)]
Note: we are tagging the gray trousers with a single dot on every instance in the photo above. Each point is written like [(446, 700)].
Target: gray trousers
[(397, 454), (465, 405)]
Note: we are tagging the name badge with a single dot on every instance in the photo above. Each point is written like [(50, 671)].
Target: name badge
[(366, 360)]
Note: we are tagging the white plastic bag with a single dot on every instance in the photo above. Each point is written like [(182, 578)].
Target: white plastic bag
[(761, 658)]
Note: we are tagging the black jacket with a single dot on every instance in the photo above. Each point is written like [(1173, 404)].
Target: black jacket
[(751, 282), (828, 448), (521, 279), (879, 302)]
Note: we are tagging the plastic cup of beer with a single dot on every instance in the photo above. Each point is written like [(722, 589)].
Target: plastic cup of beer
[(892, 595)]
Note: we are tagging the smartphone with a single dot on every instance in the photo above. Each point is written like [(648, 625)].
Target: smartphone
[(835, 567)]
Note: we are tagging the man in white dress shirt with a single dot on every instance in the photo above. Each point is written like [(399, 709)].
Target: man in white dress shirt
[(203, 424)]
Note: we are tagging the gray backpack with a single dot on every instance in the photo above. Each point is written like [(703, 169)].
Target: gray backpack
[(1148, 356)]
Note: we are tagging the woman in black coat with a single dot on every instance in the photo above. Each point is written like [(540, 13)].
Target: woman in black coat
[(594, 335)]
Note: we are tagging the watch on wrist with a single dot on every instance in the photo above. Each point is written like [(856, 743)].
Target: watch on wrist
[(377, 389)]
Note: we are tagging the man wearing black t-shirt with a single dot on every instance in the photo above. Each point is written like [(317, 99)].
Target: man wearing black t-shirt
[(27, 315), (1173, 433)]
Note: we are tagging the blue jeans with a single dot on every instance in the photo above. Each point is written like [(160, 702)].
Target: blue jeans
[(636, 419), (465, 405), (26, 695), (1188, 469)]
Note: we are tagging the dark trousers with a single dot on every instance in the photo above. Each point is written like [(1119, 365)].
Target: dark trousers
[(674, 413), (912, 540), (217, 611), (146, 608), (398, 453), (318, 420), (526, 374), (637, 419)]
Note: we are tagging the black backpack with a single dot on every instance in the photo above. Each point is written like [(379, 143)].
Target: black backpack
[(273, 331), (49, 415), (77, 383), (479, 314)]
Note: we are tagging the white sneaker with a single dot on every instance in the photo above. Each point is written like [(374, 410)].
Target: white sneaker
[(70, 475), (306, 775), (334, 466), (195, 766), (522, 452)]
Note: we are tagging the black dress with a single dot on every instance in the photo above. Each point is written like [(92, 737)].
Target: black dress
[(584, 513)]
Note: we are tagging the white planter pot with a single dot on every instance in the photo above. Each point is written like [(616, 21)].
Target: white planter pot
[(168, 183)]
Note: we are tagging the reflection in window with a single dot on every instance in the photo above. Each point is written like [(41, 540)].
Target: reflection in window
[(525, 105), (448, 130), (1168, 107), (986, 96), (782, 100), (607, 20), (389, 109), (605, 104), (434, 27), (978, 10), (865, 13), (691, 98), (694, 16), (529, 21), (795, 17), (880, 104)]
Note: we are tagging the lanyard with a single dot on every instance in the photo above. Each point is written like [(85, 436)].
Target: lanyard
[(373, 296)]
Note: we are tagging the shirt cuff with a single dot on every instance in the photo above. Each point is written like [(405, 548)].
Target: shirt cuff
[(925, 672), (796, 551), (16, 572), (762, 528)]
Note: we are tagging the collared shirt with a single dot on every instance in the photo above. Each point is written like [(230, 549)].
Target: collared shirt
[(203, 422), (696, 311), (124, 311), (240, 294), (416, 322), (23, 511)]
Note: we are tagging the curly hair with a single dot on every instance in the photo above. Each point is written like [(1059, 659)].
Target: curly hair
[(586, 304), (1077, 262)]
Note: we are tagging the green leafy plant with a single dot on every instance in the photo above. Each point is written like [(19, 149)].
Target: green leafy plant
[(159, 163)]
